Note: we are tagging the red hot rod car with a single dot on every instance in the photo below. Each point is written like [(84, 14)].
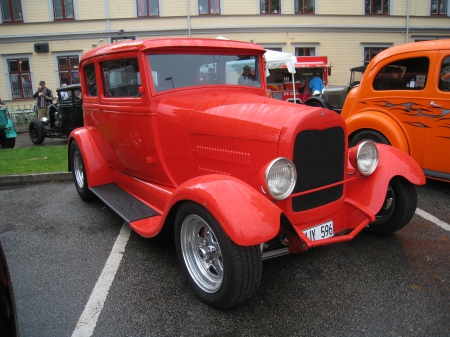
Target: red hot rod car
[(179, 135)]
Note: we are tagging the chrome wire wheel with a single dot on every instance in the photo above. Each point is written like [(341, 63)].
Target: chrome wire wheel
[(78, 168), (201, 253)]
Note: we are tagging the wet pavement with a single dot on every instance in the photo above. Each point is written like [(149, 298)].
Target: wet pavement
[(23, 140)]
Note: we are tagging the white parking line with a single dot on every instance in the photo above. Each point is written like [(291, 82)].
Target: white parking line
[(433, 219), (88, 320)]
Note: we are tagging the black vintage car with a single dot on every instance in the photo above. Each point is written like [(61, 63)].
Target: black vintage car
[(65, 116)]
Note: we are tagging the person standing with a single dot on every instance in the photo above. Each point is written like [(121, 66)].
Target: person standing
[(316, 84), (44, 98)]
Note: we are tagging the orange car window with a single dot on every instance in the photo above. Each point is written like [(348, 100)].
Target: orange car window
[(407, 74), (444, 77)]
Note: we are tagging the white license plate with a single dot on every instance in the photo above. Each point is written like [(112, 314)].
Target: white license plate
[(320, 232)]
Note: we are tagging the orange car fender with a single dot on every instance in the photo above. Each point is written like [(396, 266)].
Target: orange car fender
[(245, 214), (369, 192), (381, 122), (98, 171)]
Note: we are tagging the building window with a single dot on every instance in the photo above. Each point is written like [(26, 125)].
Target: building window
[(377, 6), (270, 6), (304, 6), (20, 78), (63, 9), (12, 11), (147, 8), (305, 51), (371, 52), (68, 70), (439, 7), (209, 6)]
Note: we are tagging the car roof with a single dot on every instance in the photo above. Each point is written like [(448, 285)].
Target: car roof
[(167, 43), (69, 87), (410, 47), (360, 68)]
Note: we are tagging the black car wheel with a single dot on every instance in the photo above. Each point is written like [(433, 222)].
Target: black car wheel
[(398, 208), (79, 172), (376, 136), (36, 131), (7, 143), (222, 273)]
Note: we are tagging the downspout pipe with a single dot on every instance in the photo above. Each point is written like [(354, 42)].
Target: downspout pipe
[(407, 21), (189, 17)]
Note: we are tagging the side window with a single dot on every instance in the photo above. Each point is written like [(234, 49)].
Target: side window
[(91, 80), (407, 74), (444, 76), (121, 78)]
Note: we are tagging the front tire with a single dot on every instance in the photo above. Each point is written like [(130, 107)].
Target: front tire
[(398, 208), (79, 172), (373, 135), (36, 131), (222, 273)]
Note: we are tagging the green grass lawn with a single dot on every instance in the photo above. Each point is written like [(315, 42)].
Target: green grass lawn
[(36, 159)]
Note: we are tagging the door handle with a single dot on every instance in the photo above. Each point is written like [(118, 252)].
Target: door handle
[(434, 105)]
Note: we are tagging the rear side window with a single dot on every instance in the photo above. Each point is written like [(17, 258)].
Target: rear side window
[(121, 77), (444, 76), (407, 74), (91, 80)]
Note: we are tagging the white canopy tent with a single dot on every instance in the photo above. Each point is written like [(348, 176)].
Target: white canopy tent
[(274, 59)]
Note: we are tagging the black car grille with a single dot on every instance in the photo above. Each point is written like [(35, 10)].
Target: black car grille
[(319, 157)]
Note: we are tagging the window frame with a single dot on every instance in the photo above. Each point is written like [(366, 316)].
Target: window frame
[(439, 2), (70, 70), (262, 7), (148, 9), (63, 9), (11, 9), (297, 11), (10, 89), (383, 2), (216, 2), (381, 47)]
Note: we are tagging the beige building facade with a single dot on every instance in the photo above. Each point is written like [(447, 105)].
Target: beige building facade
[(44, 40)]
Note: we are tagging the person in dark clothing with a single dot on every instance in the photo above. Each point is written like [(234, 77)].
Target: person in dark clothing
[(44, 98)]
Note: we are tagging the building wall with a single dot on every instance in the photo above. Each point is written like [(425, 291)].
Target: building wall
[(339, 30)]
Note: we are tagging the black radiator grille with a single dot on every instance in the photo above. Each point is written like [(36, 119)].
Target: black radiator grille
[(319, 157)]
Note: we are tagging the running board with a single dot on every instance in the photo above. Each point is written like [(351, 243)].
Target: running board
[(275, 253), (124, 204)]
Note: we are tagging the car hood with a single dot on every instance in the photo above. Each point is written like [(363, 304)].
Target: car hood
[(243, 116)]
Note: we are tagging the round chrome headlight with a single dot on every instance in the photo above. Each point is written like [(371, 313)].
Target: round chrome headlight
[(44, 120), (366, 158), (280, 178)]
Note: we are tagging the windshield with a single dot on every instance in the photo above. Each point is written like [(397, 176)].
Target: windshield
[(172, 71)]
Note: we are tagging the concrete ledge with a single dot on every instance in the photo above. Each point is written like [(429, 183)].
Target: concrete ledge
[(21, 179)]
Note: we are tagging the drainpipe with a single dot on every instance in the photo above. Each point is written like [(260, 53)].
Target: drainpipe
[(407, 22), (189, 17)]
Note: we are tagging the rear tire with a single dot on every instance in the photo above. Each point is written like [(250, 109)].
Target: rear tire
[(398, 208), (222, 273), (36, 131), (373, 135), (79, 173), (7, 143)]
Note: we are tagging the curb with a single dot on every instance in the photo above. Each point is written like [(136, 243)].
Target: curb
[(22, 179)]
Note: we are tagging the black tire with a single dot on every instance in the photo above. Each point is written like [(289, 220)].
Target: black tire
[(398, 208), (222, 273), (359, 136), (36, 131), (79, 173), (7, 143)]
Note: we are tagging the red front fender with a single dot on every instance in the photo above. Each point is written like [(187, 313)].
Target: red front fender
[(246, 215), (97, 169), (369, 192)]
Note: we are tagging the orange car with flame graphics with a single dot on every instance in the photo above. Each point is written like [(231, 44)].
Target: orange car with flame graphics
[(404, 100)]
